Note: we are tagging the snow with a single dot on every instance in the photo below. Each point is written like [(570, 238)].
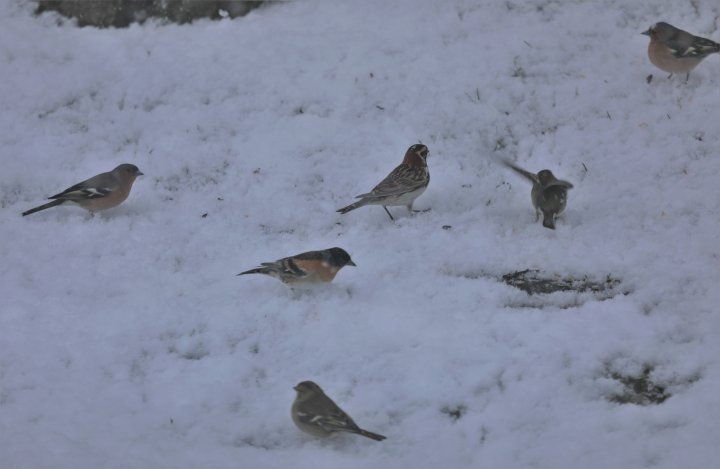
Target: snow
[(128, 341)]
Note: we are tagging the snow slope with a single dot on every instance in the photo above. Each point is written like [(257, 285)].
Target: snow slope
[(128, 342)]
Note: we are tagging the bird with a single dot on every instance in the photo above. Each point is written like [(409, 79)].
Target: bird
[(307, 267), (548, 194), (402, 186), (315, 413), (676, 51), (106, 190)]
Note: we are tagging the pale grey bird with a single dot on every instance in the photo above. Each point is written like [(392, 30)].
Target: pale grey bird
[(106, 190), (676, 51), (402, 186), (548, 194), (315, 413)]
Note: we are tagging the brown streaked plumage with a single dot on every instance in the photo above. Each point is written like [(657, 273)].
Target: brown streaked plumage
[(402, 186)]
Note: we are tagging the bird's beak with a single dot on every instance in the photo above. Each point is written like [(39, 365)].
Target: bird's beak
[(647, 33), (295, 388), (351, 263), (139, 173)]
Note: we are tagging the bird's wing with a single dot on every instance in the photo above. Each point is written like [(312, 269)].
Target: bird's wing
[(285, 266), (689, 46), (559, 182), (324, 413), (96, 187), (401, 180), (331, 421)]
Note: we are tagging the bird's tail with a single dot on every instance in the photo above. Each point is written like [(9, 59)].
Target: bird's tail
[(548, 221), (530, 176), (353, 206), (54, 203), (259, 270), (371, 435)]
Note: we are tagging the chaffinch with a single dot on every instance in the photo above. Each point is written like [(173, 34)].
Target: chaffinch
[(548, 194), (106, 190), (315, 413), (676, 51), (402, 186), (307, 267)]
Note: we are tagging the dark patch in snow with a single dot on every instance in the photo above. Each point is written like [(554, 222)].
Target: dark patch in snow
[(639, 390), (455, 412), (533, 281)]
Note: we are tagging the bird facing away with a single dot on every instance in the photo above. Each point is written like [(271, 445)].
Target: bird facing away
[(307, 267), (402, 186), (315, 413), (106, 190), (676, 51), (548, 194)]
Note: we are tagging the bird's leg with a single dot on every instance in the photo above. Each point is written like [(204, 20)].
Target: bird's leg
[(687, 77), (388, 212), (670, 76)]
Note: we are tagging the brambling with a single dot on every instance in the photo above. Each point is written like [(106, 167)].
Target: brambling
[(106, 190), (676, 51), (402, 186), (307, 267), (548, 194), (315, 413)]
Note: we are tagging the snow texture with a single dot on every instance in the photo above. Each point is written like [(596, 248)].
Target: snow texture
[(128, 341)]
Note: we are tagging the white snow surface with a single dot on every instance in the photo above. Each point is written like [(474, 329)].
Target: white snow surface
[(128, 341)]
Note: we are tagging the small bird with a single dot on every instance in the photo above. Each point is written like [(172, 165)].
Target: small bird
[(402, 186), (315, 413), (548, 194), (106, 190), (676, 51), (307, 267)]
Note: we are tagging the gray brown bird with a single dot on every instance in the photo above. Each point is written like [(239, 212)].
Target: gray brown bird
[(548, 194), (315, 413), (402, 186), (307, 267), (676, 51), (106, 190)]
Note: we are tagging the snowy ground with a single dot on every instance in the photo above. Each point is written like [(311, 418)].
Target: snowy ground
[(128, 341)]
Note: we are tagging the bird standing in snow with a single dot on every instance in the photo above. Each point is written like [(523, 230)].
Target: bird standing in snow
[(402, 186), (307, 267), (676, 51), (548, 194), (315, 413), (106, 190)]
